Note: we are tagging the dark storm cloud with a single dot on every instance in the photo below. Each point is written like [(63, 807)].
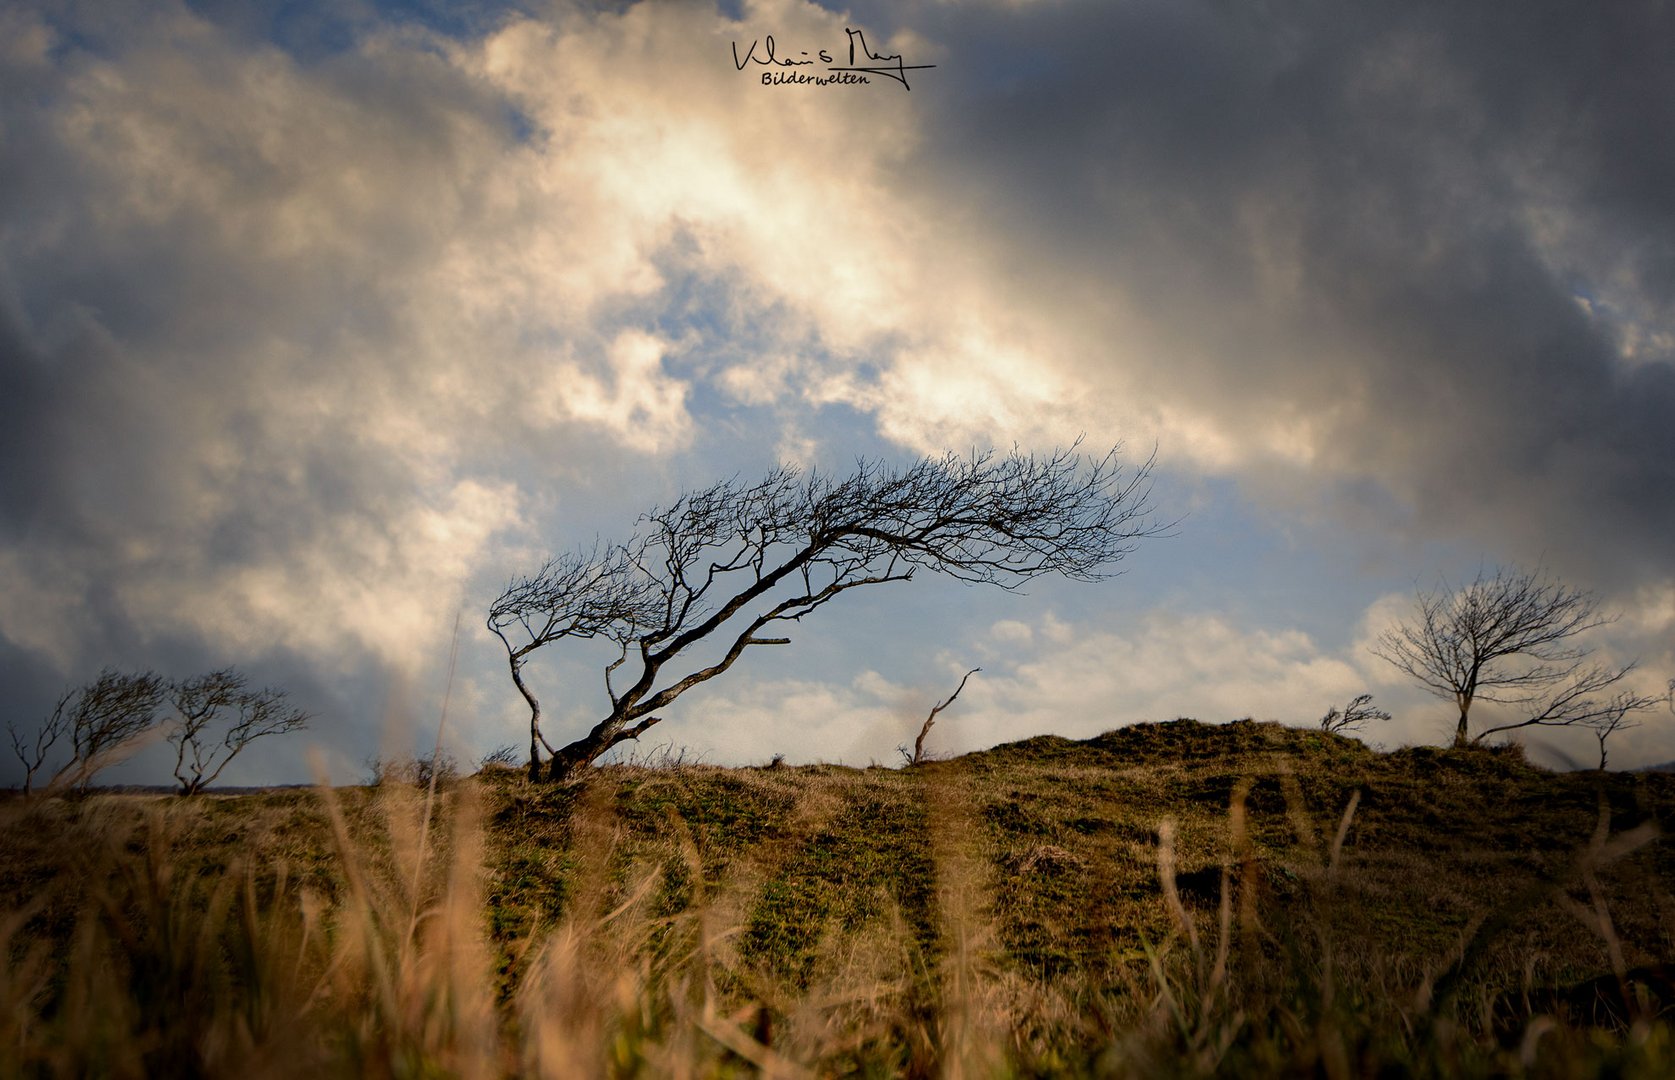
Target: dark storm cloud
[(1378, 217)]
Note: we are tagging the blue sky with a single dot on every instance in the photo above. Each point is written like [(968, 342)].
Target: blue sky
[(317, 324)]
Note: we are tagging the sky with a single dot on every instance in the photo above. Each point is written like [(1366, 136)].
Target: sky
[(321, 322)]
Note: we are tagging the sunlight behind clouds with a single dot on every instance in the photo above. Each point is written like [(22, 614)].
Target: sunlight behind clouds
[(302, 348)]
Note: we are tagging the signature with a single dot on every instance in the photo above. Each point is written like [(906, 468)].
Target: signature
[(768, 58), (886, 65)]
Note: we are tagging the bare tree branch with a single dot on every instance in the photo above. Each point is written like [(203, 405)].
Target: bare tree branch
[(1578, 704), (34, 753), (579, 595), (726, 561)]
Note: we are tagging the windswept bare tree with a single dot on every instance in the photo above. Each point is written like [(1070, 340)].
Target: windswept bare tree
[(102, 721), (1510, 638), (217, 717), (34, 752), (720, 566), (1354, 716), (112, 712)]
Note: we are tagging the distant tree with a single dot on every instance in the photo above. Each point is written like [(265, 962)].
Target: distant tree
[(34, 751), (101, 720), (1510, 638), (503, 756), (1613, 715), (721, 565), (1354, 716), (419, 770), (217, 717)]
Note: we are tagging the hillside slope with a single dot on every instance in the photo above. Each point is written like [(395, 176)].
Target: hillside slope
[(1165, 899)]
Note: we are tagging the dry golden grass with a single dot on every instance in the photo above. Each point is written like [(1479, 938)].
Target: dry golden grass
[(1169, 900)]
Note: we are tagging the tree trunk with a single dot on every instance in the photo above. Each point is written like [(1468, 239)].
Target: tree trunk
[(572, 760), (534, 719), (1462, 732)]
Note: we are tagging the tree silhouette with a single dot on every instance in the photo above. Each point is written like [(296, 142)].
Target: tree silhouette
[(1510, 637), (723, 565), (102, 720), (219, 703)]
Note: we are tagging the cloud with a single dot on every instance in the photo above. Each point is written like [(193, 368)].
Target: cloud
[(1090, 679), (275, 318), (1312, 252), (637, 400), (1080, 679), (1041, 676), (301, 344), (855, 722), (270, 332)]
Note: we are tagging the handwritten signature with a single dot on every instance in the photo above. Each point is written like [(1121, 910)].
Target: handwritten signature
[(881, 63)]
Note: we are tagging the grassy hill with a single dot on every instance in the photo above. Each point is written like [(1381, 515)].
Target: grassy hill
[(1166, 899)]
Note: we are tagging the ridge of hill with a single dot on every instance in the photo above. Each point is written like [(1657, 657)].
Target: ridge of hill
[(1163, 899)]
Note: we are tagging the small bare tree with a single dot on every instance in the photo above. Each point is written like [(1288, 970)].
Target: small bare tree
[(1354, 716), (102, 721), (218, 716), (723, 564), (1510, 638), (1615, 715), (917, 757), (34, 752)]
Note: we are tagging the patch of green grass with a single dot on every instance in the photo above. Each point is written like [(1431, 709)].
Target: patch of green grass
[(871, 859)]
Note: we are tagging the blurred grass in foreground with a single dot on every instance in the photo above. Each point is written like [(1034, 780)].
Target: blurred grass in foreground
[(1165, 900)]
